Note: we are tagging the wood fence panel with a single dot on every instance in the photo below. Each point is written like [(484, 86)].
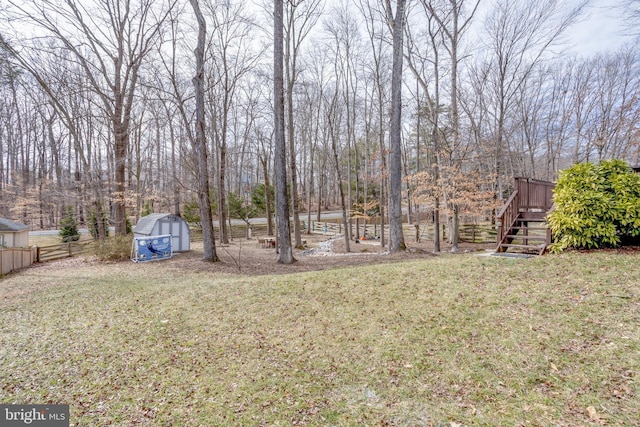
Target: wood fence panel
[(7, 261), (16, 258), (63, 250)]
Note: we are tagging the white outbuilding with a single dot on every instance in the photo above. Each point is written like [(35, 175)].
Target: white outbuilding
[(13, 234), (158, 224)]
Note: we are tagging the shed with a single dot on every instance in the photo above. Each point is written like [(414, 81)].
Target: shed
[(158, 224), (13, 234)]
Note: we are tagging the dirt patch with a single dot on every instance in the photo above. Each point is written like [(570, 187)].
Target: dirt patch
[(247, 257)]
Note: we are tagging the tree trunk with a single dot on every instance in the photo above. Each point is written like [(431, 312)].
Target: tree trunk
[(121, 136), (396, 236), (282, 198), (267, 196), (295, 203), (204, 200), (222, 198), (343, 203)]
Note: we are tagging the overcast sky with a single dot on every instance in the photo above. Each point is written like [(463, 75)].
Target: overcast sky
[(601, 29)]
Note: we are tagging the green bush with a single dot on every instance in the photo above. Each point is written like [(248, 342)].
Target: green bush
[(595, 206), (69, 227)]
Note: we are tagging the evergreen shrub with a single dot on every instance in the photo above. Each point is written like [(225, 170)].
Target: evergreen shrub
[(595, 206), (69, 227)]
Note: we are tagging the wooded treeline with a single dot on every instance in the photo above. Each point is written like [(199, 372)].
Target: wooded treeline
[(97, 106)]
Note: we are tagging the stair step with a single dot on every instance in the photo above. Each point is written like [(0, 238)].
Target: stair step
[(527, 236), (516, 246), (538, 229), (535, 223)]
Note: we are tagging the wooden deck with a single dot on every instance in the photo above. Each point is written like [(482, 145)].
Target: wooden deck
[(522, 220)]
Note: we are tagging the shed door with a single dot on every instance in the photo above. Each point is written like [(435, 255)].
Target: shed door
[(169, 226)]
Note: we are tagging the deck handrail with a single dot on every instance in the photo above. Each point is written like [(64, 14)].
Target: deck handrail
[(529, 202), (508, 215), (508, 203)]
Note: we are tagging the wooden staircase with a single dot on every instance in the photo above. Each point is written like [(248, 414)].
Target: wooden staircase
[(522, 221)]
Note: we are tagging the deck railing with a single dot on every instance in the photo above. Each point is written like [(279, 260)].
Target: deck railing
[(530, 196), (534, 194), (508, 215)]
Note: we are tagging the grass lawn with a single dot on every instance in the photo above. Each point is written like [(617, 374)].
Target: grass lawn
[(449, 340)]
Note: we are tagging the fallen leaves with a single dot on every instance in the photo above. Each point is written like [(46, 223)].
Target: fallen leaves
[(413, 343), (595, 416)]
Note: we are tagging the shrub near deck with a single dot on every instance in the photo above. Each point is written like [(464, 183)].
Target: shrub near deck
[(595, 206)]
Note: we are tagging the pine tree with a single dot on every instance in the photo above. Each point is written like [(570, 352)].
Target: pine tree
[(69, 227)]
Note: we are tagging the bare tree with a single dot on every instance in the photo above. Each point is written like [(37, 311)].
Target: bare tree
[(375, 21), (58, 79), (334, 121), (301, 16), (344, 45), (631, 13), (396, 236), (282, 195), (453, 21), (201, 143), (109, 41), (313, 93), (520, 33), (423, 59), (232, 59), (557, 123)]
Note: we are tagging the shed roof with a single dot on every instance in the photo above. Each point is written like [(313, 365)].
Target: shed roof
[(146, 223), (8, 225)]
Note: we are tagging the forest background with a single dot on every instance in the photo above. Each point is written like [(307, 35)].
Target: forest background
[(97, 106)]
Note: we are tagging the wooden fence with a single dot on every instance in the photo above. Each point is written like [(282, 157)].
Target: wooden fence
[(16, 258), (478, 233), (62, 250), (469, 233)]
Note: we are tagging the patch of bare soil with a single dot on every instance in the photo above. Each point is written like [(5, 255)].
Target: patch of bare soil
[(630, 249), (247, 257)]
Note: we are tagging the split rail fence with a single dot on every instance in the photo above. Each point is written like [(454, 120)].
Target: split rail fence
[(16, 258), (469, 233), (62, 250)]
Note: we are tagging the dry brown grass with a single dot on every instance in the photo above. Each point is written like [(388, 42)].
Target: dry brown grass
[(446, 340)]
